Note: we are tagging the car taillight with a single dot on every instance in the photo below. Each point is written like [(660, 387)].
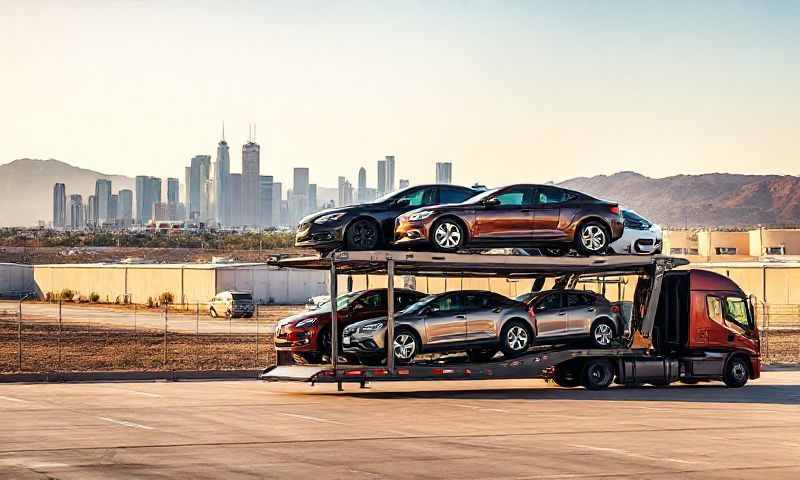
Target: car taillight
[(615, 209), (615, 309)]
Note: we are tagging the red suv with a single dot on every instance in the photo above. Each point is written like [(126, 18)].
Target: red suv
[(308, 334)]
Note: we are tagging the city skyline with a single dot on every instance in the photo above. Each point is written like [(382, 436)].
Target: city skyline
[(656, 89)]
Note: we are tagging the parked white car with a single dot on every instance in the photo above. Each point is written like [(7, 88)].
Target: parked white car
[(640, 237)]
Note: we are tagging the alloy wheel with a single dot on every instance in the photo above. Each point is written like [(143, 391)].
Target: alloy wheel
[(363, 235), (603, 334), (447, 235), (517, 338), (405, 346), (593, 238)]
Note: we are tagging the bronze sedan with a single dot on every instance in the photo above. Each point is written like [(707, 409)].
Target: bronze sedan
[(542, 216)]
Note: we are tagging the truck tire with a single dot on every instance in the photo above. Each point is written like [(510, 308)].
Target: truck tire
[(481, 355), (598, 374), (567, 376), (736, 373)]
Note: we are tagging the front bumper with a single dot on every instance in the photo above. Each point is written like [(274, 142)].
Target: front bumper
[(364, 343), (314, 235), (291, 339), (407, 232)]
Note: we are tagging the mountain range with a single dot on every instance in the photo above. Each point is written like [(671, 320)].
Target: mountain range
[(709, 200)]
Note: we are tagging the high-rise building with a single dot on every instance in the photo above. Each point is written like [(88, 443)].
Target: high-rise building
[(265, 200), (251, 168), (91, 211), (113, 209), (298, 199), (277, 202), (142, 186), (381, 178), (102, 195), (59, 205), (389, 173), (345, 192), (404, 183), (76, 220), (222, 173), (312, 198), (236, 198), (362, 184), (444, 172), (173, 190), (125, 207), (200, 169)]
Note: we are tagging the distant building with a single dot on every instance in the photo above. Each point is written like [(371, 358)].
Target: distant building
[(76, 219), (277, 203), (389, 173), (102, 195), (404, 183), (345, 192), (236, 198), (444, 172), (200, 169), (298, 199), (251, 168), (265, 200), (312, 198), (125, 207), (222, 173), (113, 210), (362, 184), (91, 211), (173, 190), (59, 205), (381, 178)]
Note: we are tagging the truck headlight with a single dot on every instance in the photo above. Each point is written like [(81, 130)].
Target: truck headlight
[(420, 216)]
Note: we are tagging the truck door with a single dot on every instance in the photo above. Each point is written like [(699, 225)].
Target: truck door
[(732, 327), (551, 317)]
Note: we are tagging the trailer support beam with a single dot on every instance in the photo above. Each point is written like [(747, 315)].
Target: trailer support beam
[(390, 315)]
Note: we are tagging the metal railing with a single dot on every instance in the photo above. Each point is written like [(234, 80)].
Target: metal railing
[(64, 337)]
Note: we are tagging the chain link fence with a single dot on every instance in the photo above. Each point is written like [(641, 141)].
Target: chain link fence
[(40, 337)]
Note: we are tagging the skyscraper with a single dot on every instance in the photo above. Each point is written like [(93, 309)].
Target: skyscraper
[(200, 169), (76, 220), (298, 199), (265, 200), (59, 205), (113, 209), (312, 198), (251, 168), (235, 181), (142, 185), (125, 207), (404, 183), (381, 178), (173, 190), (362, 185), (102, 195), (444, 172), (345, 192), (277, 204), (389, 173), (222, 173), (91, 211)]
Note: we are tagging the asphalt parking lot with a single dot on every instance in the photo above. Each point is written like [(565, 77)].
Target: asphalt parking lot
[(438, 430)]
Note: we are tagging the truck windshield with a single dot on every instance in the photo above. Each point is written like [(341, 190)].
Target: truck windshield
[(736, 312), (242, 296)]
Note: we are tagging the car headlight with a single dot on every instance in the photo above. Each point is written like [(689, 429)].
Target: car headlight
[(331, 217), (308, 322), (420, 216), (371, 327)]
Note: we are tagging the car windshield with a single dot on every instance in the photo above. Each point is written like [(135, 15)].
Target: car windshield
[(418, 306), (342, 302), (391, 195), (525, 297), (482, 196), (242, 296)]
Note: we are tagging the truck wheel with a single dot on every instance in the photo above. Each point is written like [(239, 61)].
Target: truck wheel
[(515, 338), (480, 355), (736, 373), (567, 376), (598, 374)]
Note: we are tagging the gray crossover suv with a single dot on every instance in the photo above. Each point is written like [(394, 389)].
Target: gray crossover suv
[(478, 322), (563, 315)]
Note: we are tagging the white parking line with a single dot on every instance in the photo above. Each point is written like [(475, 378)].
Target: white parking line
[(135, 392), (12, 399), (126, 424), (313, 419), (617, 451), (482, 409)]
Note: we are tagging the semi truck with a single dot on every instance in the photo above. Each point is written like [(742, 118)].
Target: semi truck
[(686, 325)]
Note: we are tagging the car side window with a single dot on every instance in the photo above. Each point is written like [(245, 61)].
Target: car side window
[(403, 300), (515, 197), (448, 303), (549, 302), (551, 195), (374, 300), (474, 301), (421, 197), (453, 195), (578, 300)]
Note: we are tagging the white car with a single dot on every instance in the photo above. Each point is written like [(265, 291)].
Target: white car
[(640, 237)]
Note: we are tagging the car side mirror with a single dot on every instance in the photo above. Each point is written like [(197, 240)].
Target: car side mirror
[(403, 202), (491, 202)]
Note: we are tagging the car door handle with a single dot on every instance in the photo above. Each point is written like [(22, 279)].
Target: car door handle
[(526, 210), (590, 309), (461, 317), (562, 313)]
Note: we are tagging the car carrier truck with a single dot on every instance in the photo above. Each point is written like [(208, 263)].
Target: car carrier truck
[(686, 325)]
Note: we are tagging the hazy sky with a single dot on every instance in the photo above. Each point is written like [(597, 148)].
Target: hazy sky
[(507, 91)]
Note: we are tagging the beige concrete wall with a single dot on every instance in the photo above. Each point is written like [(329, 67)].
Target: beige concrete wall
[(686, 240), (760, 240), (709, 241)]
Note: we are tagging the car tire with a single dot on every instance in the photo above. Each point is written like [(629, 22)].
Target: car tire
[(597, 374), (310, 358), (405, 346), (602, 333), (324, 341), (448, 235), (516, 338), (363, 234), (689, 381), (567, 375), (736, 373), (213, 313), (592, 238), (481, 355)]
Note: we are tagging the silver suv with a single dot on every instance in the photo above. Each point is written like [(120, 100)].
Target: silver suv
[(563, 315), (475, 321)]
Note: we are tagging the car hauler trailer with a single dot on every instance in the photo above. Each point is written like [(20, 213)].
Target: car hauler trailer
[(696, 325)]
